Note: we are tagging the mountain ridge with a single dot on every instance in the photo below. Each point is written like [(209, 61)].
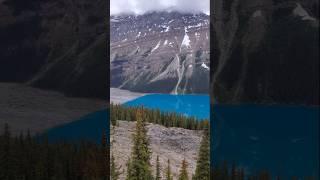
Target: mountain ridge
[(160, 52)]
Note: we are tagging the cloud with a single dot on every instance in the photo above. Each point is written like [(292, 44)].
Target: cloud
[(142, 6)]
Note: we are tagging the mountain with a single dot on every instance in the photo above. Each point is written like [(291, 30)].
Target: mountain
[(265, 52), (58, 45), (160, 52)]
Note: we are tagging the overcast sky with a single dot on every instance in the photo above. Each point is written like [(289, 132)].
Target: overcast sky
[(142, 6)]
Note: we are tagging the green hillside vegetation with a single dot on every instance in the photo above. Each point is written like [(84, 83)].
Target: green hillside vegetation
[(168, 119)]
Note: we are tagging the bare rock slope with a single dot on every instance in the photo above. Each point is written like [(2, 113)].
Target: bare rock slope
[(167, 143)]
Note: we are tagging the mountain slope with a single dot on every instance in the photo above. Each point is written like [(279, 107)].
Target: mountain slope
[(166, 52), (266, 52), (57, 45)]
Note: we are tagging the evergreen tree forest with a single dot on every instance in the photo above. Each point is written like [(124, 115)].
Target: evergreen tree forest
[(168, 119), (139, 166), (224, 172), (25, 157)]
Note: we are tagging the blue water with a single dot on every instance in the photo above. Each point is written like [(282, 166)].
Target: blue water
[(188, 105), (90, 128), (281, 139)]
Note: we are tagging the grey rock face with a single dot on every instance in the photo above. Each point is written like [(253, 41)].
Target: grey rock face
[(160, 52), (58, 45), (265, 52)]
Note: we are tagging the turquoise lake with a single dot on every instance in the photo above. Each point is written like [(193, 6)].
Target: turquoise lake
[(91, 126), (188, 105), (283, 140)]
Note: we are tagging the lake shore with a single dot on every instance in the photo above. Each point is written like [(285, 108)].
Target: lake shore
[(24, 107), (120, 96)]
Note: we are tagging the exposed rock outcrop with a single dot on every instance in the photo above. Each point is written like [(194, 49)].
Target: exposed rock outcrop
[(265, 51)]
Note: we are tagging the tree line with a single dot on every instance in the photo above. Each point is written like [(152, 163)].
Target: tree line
[(225, 172), (139, 166), (25, 157), (168, 119)]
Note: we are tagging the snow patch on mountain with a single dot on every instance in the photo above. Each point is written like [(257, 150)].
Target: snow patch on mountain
[(186, 40), (257, 13), (167, 29), (157, 46), (299, 11), (205, 66), (180, 73), (195, 26), (139, 34)]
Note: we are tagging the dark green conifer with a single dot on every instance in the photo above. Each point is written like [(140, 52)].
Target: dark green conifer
[(158, 176), (140, 167), (168, 172), (203, 164), (183, 175)]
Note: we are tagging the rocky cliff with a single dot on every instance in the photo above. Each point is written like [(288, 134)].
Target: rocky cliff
[(265, 51)]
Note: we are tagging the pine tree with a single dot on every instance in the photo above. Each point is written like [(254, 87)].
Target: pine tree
[(233, 174), (129, 168), (264, 175), (203, 164), (241, 174), (158, 177), (105, 153), (140, 167), (5, 159), (183, 171), (168, 172)]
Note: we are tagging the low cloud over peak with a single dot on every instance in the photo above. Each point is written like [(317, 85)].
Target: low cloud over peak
[(143, 6)]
